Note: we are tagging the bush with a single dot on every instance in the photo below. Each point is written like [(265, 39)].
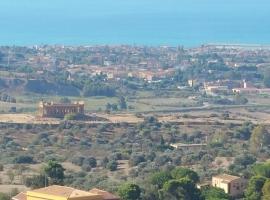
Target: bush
[(112, 165), (129, 192), (24, 160), (37, 181), (136, 159), (4, 196), (78, 160), (71, 116), (91, 161), (86, 168)]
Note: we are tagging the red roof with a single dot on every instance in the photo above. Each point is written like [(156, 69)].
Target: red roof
[(20, 196)]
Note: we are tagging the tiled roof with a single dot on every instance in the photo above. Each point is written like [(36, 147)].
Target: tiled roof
[(105, 195), (20, 196), (62, 191), (226, 177)]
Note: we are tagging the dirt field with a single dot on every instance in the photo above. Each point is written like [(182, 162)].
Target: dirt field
[(118, 118), (25, 119), (8, 188), (236, 115)]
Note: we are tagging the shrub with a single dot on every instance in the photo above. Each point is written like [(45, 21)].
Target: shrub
[(112, 165), (24, 160)]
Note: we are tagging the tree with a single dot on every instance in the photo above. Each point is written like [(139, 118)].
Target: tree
[(180, 172), (55, 172), (266, 190), (240, 100), (10, 175), (122, 103), (24, 159), (112, 165), (4, 196), (254, 188), (1, 56), (159, 178), (260, 137), (213, 193), (245, 131), (129, 191), (71, 116), (244, 160), (65, 100), (135, 159), (37, 181), (206, 160), (266, 78), (182, 189), (91, 161), (262, 169)]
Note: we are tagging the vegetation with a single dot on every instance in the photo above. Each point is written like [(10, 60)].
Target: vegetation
[(129, 192)]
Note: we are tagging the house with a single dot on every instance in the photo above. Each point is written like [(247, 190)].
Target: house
[(191, 82), (232, 185), (245, 90), (56, 192), (215, 88)]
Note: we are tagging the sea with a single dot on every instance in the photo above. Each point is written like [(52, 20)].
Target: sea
[(135, 22)]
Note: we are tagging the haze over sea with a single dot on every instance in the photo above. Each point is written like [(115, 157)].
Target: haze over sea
[(139, 22)]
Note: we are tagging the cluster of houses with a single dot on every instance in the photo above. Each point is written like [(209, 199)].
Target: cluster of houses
[(120, 72), (228, 86), (232, 185)]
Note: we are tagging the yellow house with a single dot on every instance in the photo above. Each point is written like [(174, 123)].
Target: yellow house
[(232, 185), (56, 192)]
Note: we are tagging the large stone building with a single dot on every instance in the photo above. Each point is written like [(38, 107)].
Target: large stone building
[(56, 192), (232, 185), (59, 110)]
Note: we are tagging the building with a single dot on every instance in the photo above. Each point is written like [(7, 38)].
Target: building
[(191, 82), (59, 110), (189, 147), (212, 88), (105, 195), (232, 185), (245, 90), (56, 192), (202, 186)]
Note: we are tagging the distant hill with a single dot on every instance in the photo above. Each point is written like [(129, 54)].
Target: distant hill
[(45, 87), (15, 85)]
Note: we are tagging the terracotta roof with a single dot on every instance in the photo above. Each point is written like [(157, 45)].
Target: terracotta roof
[(63, 191), (226, 177), (20, 196), (105, 195)]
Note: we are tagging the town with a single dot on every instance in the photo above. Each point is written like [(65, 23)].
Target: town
[(135, 122)]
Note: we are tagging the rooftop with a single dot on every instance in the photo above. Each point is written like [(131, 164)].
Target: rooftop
[(20, 196), (106, 195), (226, 177), (62, 191)]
